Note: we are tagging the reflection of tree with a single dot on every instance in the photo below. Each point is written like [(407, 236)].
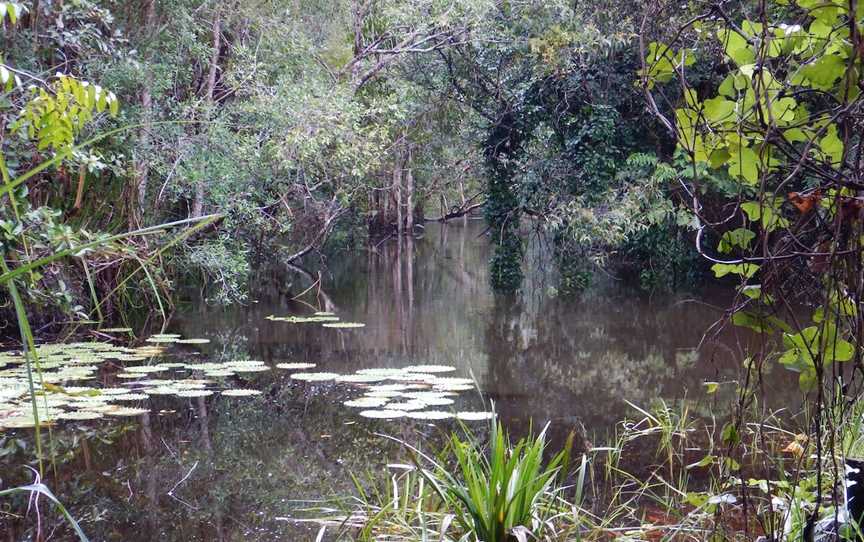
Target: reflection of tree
[(580, 362)]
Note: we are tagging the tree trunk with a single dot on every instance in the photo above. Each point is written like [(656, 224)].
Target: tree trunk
[(198, 202), (409, 196), (357, 16), (142, 168), (397, 192)]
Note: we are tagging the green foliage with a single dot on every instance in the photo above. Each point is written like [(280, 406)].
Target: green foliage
[(55, 115), (494, 493), (780, 120)]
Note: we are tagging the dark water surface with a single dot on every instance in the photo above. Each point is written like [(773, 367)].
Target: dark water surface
[(223, 468)]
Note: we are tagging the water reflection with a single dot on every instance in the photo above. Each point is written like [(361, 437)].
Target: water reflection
[(538, 356), (225, 469)]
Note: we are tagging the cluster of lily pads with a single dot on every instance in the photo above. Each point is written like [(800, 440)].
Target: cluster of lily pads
[(57, 370), (326, 319), (416, 392)]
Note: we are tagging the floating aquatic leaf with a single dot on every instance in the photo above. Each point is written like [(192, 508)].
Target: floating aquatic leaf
[(112, 391), (126, 411), (205, 366), (220, 373), (240, 392), (380, 372), (366, 402), (162, 339), (452, 381), (383, 394), (295, 366), (166, 335), (453, 387), (129, 357), (193, 341), (428, 394), (194, 393), (249, 368), (149, 382), (413, 377), (302, 319), (129, 397), (21, 422), (315, 377), (360, 378), (146, 369), (344, 325), (469, 416), (429, 368), (389, 387), (80, 415), (430, 415), (436, 401), (383, 414), (163, 390), (191, 384), (149, 351), (407, 405)]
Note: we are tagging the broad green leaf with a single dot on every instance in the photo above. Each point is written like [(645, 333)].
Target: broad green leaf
[(768, 217), (823, 73), (736, 47), (831, 146), (744, 163), (719, 109), (740, 237), (705, 461), (746, 270), (807, 380)]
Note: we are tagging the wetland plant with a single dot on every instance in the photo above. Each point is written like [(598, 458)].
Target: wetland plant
[(502, 491)]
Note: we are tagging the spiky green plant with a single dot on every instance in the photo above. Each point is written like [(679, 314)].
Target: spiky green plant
[(500, 491)]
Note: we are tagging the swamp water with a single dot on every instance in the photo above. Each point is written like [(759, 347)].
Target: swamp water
[(205, 460)]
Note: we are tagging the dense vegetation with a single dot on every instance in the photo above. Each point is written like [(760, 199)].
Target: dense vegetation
[(313, 126), (150, 144)]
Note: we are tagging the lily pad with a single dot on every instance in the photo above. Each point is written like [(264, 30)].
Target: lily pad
[(241, 392), (384, 414), (429, 368), (430, 415), (194, 393), (470, 416), (129, 397), (295, 366), (315, 377), (126, 411), (360, 379), (366, 402), (193, 341), (436, 401), (407, 406), (80, 415)]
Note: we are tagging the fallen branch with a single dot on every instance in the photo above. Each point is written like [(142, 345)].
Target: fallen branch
[(456, 213)]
